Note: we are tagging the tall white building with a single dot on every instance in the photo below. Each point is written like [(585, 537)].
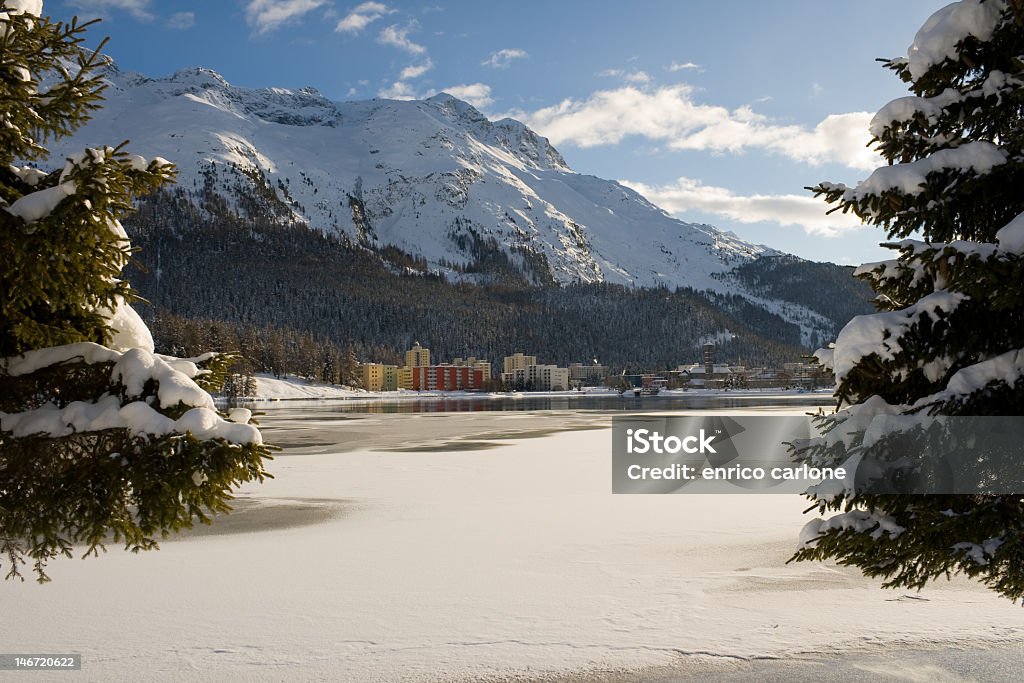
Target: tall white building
[(518, 361), (538, 378)]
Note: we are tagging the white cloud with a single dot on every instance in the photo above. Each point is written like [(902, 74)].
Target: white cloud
[(137, 8), (362, 16), (399, 37), (182, 20), (636, 76), (399, 90), (477, 94), (267, 15), (681, 66), (502, 58), (416, 70), (803, 211), (670, 115)]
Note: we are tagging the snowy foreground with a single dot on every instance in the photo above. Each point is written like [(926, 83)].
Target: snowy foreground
[(469, 547)]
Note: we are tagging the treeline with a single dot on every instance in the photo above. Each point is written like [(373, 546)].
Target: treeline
[(825, 288), (257, 277), (265, 348)]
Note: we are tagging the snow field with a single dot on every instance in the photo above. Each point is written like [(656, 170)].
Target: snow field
[(457, 564)]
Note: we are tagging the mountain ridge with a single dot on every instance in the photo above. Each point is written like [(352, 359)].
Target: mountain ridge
[(433, 178)]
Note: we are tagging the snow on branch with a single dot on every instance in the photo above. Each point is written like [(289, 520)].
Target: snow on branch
[(903, 110), (1011, 235), (825, 356), (857, 521), (136, 367), (907, 108), (36, 206), (133, 371), (32, 361), (137, 417), (1006, 368), (938, 39), (880, 333), (909, 178), (30, 175), (980, 553)]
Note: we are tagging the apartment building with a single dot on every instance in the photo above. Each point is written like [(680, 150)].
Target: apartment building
[(378, 377), (517, 361), (446, 378), (417, 356), (474, 362), (538, 378)]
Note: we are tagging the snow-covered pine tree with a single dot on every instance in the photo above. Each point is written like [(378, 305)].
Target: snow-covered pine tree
[(949, 337), (101, 440)]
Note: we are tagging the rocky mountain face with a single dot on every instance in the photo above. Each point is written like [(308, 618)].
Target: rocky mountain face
[(433, 179)]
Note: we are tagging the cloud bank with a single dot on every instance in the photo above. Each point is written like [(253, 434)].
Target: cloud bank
[(669, 115), (804, 211)]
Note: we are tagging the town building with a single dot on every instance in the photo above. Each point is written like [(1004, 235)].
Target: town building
[(517, 361), (537, 378), (417, 356), (587, 375), (446, 378), (713, 376), (378, 377), (390, 382), (807, 375), (474, 362)]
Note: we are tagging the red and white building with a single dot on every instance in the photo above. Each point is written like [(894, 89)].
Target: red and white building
[(447, 378)]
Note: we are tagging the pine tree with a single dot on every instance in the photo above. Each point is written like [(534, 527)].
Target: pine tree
[(101, 440), (949, 335)]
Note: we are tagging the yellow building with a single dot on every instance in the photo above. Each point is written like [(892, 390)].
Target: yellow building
[(378, 377), (417, 356), (404, 377)]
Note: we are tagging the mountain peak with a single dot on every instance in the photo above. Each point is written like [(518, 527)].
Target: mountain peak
[(199, 76), (517, 135), (444, 97), (511, 135), (453, 107)]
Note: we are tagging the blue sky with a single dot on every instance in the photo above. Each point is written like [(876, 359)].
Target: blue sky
[(719, 112)]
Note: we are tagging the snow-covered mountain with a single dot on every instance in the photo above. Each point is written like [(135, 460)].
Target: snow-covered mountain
[(432, 177)]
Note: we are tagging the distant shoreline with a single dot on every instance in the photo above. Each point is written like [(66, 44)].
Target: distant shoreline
[(293, 389)]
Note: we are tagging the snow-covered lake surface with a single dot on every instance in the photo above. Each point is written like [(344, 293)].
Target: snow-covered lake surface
[(482, 545)]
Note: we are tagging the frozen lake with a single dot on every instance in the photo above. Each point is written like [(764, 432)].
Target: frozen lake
[(485, 545), (469, 423)]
